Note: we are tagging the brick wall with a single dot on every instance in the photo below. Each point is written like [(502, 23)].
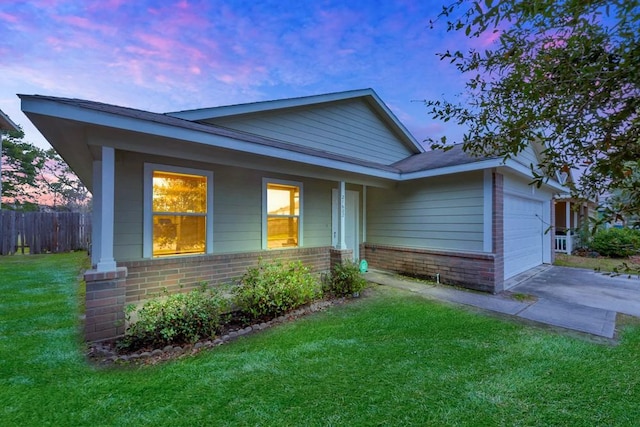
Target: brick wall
[(471, 270), (150, 277), (339, 256), (105, 301)]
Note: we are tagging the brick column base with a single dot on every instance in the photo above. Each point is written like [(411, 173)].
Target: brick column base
[(105, 300), (339, 256)]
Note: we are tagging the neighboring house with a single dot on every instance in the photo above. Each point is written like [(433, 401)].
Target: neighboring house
[(200, 195), (571, 217)]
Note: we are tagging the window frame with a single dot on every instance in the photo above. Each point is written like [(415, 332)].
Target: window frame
[(149, 169), (265, 215)]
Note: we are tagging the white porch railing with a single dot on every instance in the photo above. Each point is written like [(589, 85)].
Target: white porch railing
[(563, 244), (566, 244)]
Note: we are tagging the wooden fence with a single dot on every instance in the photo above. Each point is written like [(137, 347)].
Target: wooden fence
[(43, 232)]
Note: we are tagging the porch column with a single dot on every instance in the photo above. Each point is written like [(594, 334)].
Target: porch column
[(364, 213), (103, 213), (342, 243), (567, 222)]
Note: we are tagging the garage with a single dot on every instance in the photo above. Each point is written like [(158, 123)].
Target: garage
[(523, 234)]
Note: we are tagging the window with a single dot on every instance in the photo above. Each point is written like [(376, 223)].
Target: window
[(282, 214), (178, 211)]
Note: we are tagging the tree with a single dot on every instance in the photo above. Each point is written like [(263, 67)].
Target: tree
[(21, 165), (32, 177), (62, 188), (564, 74)]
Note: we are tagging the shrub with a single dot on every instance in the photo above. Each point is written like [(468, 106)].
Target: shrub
[(616, 242), (345, 279), (269, 290), (175, 318)]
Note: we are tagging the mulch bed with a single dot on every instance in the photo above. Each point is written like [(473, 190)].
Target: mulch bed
[(105, 353)]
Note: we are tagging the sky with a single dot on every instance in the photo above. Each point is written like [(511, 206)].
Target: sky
[(170, 55)]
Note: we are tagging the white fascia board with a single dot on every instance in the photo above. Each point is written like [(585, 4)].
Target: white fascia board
[(260, 106), (396, 122), (467, 167), (98, 118)]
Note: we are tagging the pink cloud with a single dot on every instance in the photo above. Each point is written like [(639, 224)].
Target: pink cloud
[(8, 17), (85, 24)]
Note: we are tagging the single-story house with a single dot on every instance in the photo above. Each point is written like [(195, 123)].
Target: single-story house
[(199, 195)]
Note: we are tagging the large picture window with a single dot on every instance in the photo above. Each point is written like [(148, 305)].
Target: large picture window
[(282, 214), (178, 220)]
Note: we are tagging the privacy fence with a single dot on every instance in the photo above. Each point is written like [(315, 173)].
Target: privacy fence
[(43, 232)]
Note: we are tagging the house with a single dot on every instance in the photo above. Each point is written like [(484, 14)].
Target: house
[(200, 195), (571, 216)]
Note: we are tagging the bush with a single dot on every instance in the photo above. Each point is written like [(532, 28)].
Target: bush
[(175, 318), (616, 242), (345, 279), (270, 290)]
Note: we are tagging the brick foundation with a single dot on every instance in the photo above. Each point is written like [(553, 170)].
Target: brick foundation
[(134, 281), (471, 270), (105, 301), (150, 277), (340, 256)]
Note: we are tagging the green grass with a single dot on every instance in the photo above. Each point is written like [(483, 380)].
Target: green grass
[(390, 358), (600, 264)]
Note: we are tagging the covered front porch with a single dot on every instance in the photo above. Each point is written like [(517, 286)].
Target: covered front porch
[(570, 216)]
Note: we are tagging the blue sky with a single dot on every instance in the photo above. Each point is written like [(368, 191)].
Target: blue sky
[(165, 55)]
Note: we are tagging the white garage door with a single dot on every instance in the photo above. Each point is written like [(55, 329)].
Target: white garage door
[(523, 234)]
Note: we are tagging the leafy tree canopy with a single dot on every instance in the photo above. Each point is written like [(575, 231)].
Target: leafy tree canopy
[(565, 74), (21, 165), (32, 176)]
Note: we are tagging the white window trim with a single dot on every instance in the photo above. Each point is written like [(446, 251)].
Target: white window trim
[(147, 232), (266, 181)]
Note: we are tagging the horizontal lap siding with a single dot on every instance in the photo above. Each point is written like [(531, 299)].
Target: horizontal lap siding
[(237, 211), (237, 214), (317, 213), (528, 157), (127, 227), (348, 128), (440, 213)]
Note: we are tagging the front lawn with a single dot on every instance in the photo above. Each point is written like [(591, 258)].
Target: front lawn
[(599, 263), (390, 358)]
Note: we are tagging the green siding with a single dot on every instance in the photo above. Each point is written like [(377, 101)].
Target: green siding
[(438, 213), (127, 227), (237, 212), (528, 157), (347, 128)]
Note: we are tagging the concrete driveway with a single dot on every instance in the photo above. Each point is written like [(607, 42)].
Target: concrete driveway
[(583, 287)]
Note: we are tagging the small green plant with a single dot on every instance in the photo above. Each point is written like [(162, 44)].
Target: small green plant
[(174, 318), (345, 279), (616, 242), (271, 289)]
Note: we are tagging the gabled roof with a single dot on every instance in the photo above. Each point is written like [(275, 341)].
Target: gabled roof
[(455, 156), (367, 95), (6, 123), (64, 122)]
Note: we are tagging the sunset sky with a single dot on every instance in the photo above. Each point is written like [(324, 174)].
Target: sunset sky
[(167, 55)]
